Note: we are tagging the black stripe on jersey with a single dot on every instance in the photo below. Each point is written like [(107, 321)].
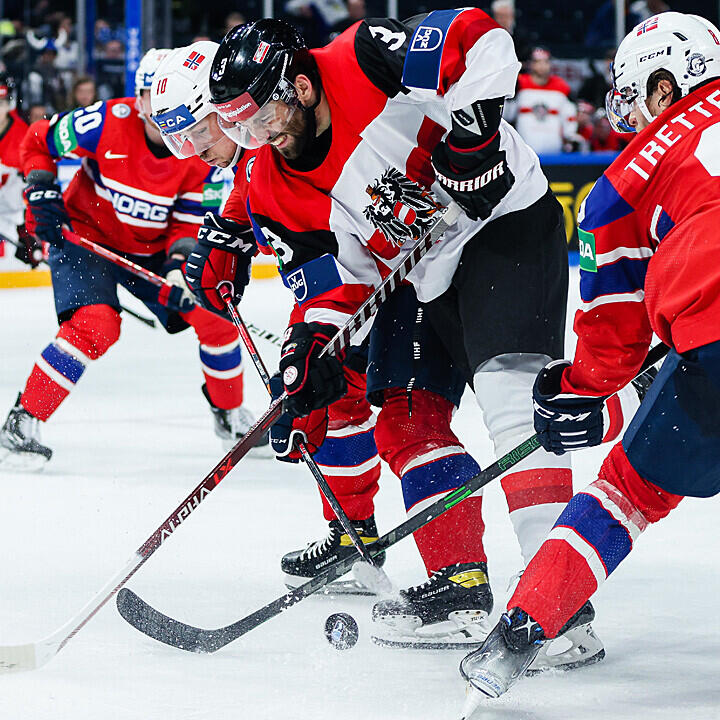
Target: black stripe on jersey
[(380, 48), (300, 247)]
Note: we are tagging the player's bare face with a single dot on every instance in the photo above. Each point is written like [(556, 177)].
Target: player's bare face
[(219, 150), (291, 142), (656, 103)]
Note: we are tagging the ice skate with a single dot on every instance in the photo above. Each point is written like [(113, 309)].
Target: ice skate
[(301, 565), (231, 425), (503, 658), (448, 611), (575, 646), (20, 446)]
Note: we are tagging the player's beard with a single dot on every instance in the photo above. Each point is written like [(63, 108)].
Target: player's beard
[(300, 133)]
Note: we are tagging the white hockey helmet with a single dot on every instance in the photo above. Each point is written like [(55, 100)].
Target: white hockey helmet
[(144, 76), (687, 46), (180, 99)]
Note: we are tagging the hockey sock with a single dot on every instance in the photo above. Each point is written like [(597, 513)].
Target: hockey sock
[(592, 536), (539, 486), (220, 357), (87, 335), (348, 458), (425, 454)]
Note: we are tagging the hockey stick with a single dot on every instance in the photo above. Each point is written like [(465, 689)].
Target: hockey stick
[(138, 316), (377, 579), (156, 625), (30, 656)]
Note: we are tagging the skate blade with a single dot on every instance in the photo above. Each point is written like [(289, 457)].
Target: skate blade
[(464, 630), (473, 700), (338, 587), (584, 648), (22, 461)]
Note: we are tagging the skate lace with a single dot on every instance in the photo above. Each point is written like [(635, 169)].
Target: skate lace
[(432, 580), (23, 427), (314, 549)]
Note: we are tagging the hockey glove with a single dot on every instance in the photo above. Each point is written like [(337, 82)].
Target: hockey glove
[(29, 249), (311, 381), (179, 297), (476, 177), (564, 421), (288, 431), (223, 254), (45, 212)]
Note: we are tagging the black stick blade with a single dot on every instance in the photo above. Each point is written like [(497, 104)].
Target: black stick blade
[(154, 624)]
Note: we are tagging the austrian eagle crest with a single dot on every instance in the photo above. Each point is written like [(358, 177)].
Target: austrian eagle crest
[(400, 209)]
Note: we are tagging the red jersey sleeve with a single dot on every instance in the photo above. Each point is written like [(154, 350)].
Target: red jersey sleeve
[(612, 324)]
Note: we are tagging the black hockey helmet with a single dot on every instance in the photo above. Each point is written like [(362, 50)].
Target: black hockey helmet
[(248, 72)]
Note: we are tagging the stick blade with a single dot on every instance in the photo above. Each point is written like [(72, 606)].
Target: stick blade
[(18, 658), (151, 622)]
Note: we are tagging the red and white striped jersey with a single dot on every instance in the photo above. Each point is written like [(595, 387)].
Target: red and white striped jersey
[(545, 114), (338, 227), (123, 196), (12, 207)]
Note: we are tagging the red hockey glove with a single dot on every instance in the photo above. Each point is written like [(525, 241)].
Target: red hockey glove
[(311, 381), (288, 431), (223, 254)]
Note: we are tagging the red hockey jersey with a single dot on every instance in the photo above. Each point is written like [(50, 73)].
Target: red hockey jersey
[(123, 196), (336, 229), (649, 246), (11, 181)]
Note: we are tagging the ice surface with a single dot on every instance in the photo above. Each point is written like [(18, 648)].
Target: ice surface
[(131, 442)]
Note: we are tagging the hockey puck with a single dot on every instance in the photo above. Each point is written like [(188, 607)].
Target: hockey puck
[(341, 631)]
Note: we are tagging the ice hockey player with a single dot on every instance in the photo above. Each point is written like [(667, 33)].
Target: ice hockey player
[(341, 181), (134, 197), (649, 229), (343, 432), (12, 131)]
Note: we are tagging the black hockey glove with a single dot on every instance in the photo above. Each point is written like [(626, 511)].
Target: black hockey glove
[(223, 255), (311, 381), (45, 212), (564, 421), (29, 249), (476, 176), (287, 431)]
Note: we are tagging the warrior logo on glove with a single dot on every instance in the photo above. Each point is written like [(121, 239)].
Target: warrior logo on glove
[(400, 209)]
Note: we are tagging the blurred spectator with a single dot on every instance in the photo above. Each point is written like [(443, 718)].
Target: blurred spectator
[(503, 12), (232, 19), (546, 118), (601, 32), (356, 11), (604, 138), (110, 70), (84, 92), (314, 18), (585, 122), (647, 8), (37, 112), (45, 85), (595, 87)]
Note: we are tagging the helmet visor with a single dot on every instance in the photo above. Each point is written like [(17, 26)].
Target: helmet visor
[(250, 125), (618, 105), (193, 140)]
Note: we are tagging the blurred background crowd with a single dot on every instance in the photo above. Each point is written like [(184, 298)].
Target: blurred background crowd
[(67, 53)]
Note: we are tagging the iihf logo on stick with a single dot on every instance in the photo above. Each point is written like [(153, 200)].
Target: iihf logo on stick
[(400, 209)]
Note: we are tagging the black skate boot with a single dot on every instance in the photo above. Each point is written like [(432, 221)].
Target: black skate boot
[(448, 611), (575, 646), (20, 446), (231, 425), (503, 658), (301, 565)]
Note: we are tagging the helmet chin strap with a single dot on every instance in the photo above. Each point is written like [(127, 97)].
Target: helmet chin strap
[(644, 110), (236, 157)]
